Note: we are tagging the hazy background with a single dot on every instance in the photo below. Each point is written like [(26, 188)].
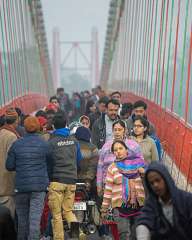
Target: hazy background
[(75, 19)]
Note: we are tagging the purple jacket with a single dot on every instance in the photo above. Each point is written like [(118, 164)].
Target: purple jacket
[(106, 157)]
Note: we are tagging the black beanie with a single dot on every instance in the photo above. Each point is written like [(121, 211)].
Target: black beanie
[(83, 133)]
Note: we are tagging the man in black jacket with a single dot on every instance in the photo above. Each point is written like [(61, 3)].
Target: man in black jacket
[(62, 167), (101, 109), (167, 214), (102, 128)]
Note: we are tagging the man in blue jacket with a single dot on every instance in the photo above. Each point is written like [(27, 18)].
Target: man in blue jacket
[(63, 162), (28, 158)]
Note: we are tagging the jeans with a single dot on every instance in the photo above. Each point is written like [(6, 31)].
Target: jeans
[(29, 208), (126, 226), (61, 200)]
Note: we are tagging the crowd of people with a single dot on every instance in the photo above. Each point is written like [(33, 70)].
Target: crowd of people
[(108, 144)]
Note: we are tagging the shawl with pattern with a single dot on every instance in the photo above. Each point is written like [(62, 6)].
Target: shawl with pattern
[(133, 190), (106, 157)]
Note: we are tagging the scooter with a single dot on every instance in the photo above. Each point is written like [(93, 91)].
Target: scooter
[(85, 209)]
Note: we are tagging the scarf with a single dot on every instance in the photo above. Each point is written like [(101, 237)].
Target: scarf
[(11, 129), (133, 190)]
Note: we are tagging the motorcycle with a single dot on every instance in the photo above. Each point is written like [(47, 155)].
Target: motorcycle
[(85, 209)]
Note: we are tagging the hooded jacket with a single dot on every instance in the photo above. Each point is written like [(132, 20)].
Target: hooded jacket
[(65, 156), (152, 214)]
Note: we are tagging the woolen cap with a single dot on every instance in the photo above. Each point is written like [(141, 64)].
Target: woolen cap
[(11, 113), (32, 124), (83, 133)]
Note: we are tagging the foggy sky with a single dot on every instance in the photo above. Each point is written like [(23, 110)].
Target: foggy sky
[(75, 18)]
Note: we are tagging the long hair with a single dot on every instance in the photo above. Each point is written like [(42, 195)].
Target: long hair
[(144, 122)]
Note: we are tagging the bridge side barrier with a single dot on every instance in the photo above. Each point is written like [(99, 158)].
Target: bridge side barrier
[(28, 103)]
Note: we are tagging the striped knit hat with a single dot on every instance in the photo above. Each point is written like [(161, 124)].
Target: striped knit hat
[(11, 113)]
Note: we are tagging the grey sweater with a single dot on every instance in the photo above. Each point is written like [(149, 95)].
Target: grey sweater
[(148, 148)]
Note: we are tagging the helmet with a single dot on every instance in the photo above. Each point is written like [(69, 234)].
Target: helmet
[(73, 127)]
